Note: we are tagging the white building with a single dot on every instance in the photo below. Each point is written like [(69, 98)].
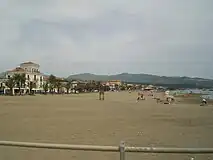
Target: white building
[(32, 73)]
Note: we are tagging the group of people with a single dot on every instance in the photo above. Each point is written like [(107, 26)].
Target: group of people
[(168, 98)]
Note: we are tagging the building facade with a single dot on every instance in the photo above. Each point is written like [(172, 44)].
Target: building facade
[(112, 84), (32, 74)]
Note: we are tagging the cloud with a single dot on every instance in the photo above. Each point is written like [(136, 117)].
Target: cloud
[(141, 36)]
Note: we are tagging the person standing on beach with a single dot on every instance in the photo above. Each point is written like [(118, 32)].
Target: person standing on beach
[(101, 92), (129, 90)]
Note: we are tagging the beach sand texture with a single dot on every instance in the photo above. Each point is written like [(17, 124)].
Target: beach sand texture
[(83, 119)]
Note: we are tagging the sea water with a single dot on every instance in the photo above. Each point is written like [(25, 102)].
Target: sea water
[(208, 94)]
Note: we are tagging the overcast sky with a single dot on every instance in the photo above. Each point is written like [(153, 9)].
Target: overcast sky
[(164, 37)]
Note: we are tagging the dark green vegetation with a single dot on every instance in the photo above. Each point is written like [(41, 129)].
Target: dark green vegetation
[(171, 82)]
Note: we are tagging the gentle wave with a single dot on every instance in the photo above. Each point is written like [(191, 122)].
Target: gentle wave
[(208, 94)]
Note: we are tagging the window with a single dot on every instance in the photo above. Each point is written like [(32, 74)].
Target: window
[(41, 79), (28, 77), (8, 76), (34, 77)]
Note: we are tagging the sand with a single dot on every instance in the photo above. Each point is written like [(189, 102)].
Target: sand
[(83, 119)]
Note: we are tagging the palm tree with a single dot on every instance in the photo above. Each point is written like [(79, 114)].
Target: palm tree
[(23, 80), (32, 85), (116, 86), (80, 87), (68, 86), (46, 87), (122, 88), (17, 78), (52, 80), (20, 80), (10, 83), (51, 87), (1, 88), (87, 87), (91, 86), (58, 85)]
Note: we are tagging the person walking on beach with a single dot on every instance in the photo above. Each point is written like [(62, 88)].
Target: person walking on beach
[(101, 92)]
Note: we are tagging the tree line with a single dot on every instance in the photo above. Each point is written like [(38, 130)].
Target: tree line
[(53, 85)]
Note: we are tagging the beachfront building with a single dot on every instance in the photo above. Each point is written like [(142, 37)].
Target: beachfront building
[(77, 83), (113, 84), (32, 74), (62, 81), (2, 84)]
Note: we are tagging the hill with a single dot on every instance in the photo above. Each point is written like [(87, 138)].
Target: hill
[(185, 82)]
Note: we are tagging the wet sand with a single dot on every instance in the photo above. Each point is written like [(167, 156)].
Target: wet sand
[(83, 119)]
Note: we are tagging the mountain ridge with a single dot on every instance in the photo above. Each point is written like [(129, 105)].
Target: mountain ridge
[(179, 82), (146, 78), (125, 73)]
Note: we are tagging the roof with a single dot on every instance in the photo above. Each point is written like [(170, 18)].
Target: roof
[(28, 63), (57, 78), (46, 78), (17, 69), (61, 79), (114, 81), (78, 81)]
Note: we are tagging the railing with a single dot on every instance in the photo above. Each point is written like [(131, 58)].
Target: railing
[(121, 148)]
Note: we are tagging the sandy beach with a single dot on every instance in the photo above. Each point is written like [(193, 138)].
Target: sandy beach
[(83, 119)]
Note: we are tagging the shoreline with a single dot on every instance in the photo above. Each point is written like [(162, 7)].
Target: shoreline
[(192, 99)]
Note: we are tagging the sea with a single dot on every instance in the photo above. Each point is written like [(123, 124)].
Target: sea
[(208, 94)]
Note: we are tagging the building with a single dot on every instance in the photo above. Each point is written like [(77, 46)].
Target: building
[(112, 84), (2, 84), (55, 89), (77, 83), (32, 75)]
